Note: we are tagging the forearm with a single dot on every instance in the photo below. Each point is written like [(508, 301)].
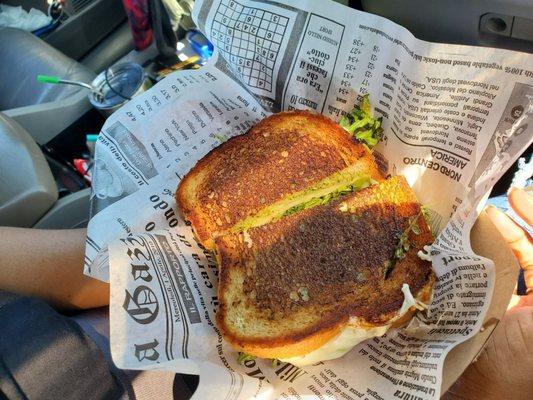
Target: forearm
[(49, 264)]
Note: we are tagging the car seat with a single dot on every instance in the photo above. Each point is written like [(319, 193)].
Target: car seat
[(28, 191), (42, 110)]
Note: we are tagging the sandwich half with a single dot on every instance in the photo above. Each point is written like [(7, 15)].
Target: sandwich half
[(309, 286), (284, 161)]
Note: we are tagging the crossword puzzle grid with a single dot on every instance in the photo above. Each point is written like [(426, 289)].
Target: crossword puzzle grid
[(250, 39)]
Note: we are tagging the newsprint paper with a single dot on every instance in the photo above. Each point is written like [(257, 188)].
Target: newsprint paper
[(455, 118)]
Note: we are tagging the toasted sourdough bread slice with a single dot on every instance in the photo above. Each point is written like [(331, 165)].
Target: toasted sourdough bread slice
[(288, 287), (282, 154)]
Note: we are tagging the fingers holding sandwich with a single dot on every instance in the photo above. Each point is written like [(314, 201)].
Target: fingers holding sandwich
[(516, 237)]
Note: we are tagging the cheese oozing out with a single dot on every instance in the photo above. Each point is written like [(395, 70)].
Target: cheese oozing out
[(354, 333), (425, 254)]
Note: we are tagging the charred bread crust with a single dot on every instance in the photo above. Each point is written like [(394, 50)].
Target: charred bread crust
[(336, 293), (280, 155)]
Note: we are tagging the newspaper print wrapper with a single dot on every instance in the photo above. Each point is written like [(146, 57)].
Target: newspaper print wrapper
[(455, 119)]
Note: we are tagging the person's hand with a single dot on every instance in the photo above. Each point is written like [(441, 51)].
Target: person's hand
[(504, 368)]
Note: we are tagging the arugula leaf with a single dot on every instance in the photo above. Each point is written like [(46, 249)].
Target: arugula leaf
[(220, 138), (429, 216), (243, 357), (403, 245), (361, 124), (362, 182)]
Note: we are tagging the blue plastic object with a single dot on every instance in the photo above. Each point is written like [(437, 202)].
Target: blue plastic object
[(45, 29), (200, 44)]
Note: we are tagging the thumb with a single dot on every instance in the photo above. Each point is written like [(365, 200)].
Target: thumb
[(518, 240)]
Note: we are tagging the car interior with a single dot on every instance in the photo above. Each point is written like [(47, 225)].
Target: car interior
[(44, 127), (52, 75)]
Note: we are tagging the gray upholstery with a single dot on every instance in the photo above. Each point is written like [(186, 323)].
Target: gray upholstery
[(27, 187), (68, 212), (23, 56), (43, 110)]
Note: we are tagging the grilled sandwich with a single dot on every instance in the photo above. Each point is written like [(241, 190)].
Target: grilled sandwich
[(317, 251), (310, 286)]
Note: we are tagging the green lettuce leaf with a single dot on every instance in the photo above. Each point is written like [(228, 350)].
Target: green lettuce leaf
[(361, 124), (361, 182), (242, 357)]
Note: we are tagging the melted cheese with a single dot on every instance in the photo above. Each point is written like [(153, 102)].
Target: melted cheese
[(247, 239), (426, 254), (351, 178), (354, 333)]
